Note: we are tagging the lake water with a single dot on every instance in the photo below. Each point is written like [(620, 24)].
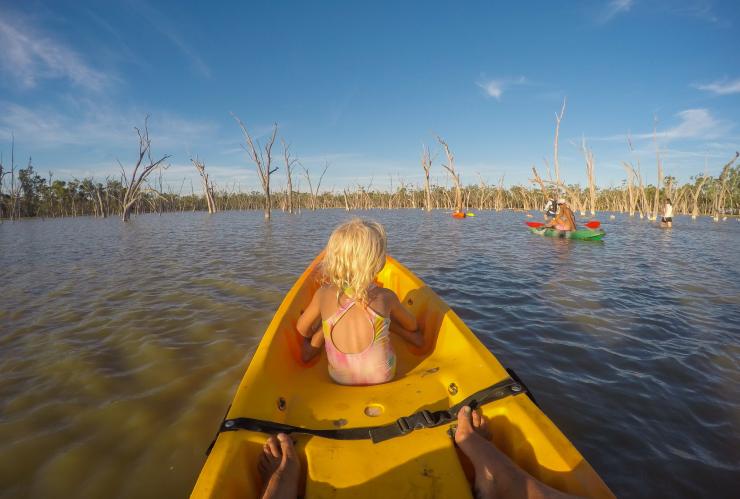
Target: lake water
[(121, 345)]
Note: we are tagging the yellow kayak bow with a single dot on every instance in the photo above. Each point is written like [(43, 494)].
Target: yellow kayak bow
[(452, 367)]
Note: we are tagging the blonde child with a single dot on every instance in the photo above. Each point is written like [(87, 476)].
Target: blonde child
[(356, 315)]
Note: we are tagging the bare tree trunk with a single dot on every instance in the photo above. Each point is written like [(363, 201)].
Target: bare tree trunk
[(656, 200), (314, 194), (206, 183), (630, 177), (289, 165), (3, 172), (450, 167), (426, 164), (346, 200), (13, 193), (262, 161), (719, 205), (538, 180), (558, 119), (589, 156), (100, 202), (133, 184)]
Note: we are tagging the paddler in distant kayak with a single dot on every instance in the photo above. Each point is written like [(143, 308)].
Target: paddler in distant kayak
[(564, 220), (667, 219), (551, 208)]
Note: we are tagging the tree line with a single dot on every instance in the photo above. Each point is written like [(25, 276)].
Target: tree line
[(140, 188)]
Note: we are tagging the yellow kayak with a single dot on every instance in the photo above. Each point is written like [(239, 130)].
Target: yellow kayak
[(389, 440)]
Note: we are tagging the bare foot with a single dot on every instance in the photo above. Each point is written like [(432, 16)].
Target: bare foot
[(495, 474), (279, 468), (470, 421), (473, 438)]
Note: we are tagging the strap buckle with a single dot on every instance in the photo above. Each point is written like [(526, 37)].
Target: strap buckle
[(422, 419)]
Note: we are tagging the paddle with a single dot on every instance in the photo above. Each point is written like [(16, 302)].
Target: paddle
[(593, 224)]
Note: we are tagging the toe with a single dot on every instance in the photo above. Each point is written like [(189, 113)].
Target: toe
[(464, 424), (273, 447), (286, 446), (477, 419)]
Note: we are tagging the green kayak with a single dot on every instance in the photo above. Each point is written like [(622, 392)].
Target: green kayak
[(584, 234)]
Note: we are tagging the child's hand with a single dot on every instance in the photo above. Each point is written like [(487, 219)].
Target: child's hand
[(311, 346)]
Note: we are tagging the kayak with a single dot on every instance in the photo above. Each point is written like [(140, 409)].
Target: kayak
[(583, 234), (335, 427)]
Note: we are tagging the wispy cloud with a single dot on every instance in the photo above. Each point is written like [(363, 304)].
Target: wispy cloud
[(93, 124), (161, 23), (30, 55), (613, 9), (721, 87), (694, 124), (495, 88)]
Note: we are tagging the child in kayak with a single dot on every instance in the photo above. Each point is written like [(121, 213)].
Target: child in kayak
[(356, 315)]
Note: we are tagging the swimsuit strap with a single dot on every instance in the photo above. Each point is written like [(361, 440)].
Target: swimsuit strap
[(331, 321)]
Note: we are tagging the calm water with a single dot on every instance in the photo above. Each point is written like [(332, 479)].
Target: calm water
[(121, 345)]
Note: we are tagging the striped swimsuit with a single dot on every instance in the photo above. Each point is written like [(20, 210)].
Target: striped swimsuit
[(376, 364)]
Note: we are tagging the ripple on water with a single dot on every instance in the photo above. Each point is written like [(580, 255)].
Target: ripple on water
[(133, 341)]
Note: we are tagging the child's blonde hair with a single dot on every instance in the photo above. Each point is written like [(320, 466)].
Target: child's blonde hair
[(354, 256)]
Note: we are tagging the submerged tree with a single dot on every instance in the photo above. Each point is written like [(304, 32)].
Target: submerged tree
[(132, 193), (450, 167), (207, 184), (588, 155), (262, 161), (290, 163), (426, 164), (314, 193)]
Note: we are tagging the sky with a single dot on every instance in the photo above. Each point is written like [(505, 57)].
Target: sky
[(363, 86)]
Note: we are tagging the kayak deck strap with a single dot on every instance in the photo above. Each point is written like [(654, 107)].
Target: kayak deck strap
[(402, 426)]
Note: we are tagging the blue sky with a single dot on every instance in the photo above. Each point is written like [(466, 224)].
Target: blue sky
[(363, 85)]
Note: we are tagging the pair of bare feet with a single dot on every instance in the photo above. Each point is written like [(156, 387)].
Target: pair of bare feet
[(495, 474)]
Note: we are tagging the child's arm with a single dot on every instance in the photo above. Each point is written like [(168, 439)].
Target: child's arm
[(311, 347), (404, 323), (312, 336)]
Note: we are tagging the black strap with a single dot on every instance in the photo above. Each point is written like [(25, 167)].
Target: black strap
[(402, 426)]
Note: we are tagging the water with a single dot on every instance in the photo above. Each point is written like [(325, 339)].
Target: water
[(121, 345)]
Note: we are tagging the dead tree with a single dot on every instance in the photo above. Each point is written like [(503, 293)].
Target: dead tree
[(289, 166), (484, 192), (207, 184), (588, 154), (558, 119), (426, 164), (314, 194), (143, 167), (500, 194), (538, 180), (656, 199), (263, 161), (3, 172), (719, 200), (630, 180), (450, 167)]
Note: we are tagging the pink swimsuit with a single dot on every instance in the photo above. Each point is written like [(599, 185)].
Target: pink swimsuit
[(376, 364)]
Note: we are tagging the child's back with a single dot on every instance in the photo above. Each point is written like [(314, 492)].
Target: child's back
[(356, 314), (357, 336)]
